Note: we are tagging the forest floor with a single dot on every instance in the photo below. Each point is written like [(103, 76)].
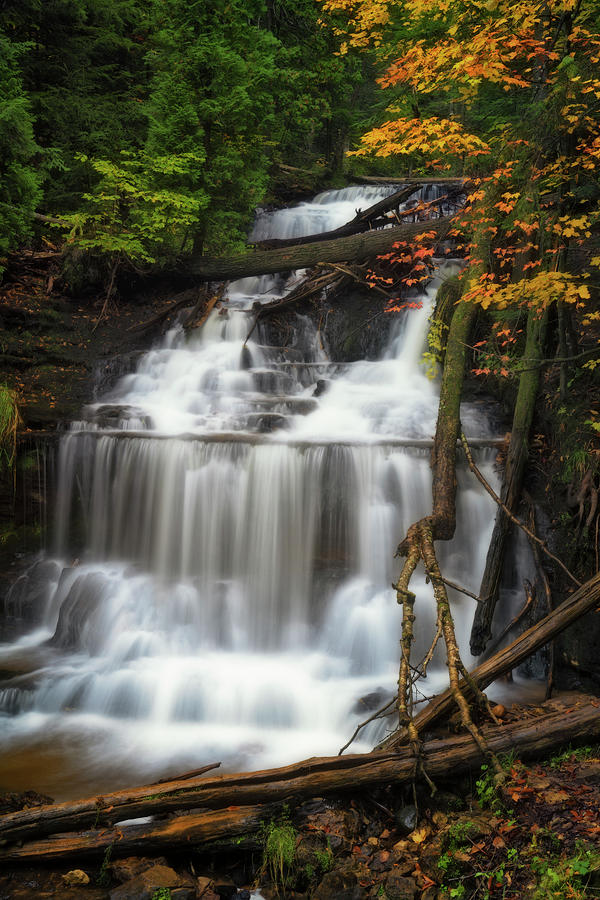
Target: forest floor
[(53, 344), (538, 837)]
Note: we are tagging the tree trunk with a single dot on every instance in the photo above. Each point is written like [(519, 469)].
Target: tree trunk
[(586, 598), (443, 457), (518, 454), (356, 248), (313, 777)]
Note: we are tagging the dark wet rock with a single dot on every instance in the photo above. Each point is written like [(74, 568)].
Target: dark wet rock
[(340, 884), (85, 596), (267, 422), (341, 826), (245, 358), (406, 819), (114, 415), (370, 702), (313, 850), (31, 590), (321, 388), (145, 885), (224, 888), (13, 802), (398, 887), (125, 869)]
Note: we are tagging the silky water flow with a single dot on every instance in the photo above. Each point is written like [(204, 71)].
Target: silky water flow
[(233, 601)]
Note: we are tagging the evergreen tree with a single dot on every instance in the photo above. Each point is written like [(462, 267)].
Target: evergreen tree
[(19, 182)]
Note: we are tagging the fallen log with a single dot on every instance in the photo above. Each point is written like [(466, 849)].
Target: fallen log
[(355, 248), (586, 598), (456, 180), (563, 722), (361, 222)]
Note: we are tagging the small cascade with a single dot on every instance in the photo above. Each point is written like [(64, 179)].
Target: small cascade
[(219, 586)]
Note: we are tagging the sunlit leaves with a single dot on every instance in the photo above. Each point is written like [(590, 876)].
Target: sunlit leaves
[(425, 137), (132, 211), (538, 291)]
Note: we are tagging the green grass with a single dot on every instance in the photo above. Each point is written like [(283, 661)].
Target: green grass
[(9, 423), (279, 850)]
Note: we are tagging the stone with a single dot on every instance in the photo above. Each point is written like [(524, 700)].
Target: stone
[(125, 869), (203, 886), (339, 884), (225, 888), (398, 887), (144, 886), (75, 877), (406, 819)]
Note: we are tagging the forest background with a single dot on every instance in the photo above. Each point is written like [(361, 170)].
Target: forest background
[(150, 131)]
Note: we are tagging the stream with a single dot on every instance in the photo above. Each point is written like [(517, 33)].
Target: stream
[(219, 584)]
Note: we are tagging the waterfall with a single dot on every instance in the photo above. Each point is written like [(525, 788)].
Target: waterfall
[(220, 583)]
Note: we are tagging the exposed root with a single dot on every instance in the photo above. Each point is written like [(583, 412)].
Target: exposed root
[(418, 546)]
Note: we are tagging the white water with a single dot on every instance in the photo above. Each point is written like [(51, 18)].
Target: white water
[(233, 601)]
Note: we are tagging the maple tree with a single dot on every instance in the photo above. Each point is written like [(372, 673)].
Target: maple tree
[(504, 93)]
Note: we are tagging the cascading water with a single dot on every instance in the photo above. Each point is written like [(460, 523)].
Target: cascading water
[(232, 601)]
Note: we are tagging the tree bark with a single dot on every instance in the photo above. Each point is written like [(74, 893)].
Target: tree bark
[(313, 777), (356, 248), (516, 462), (586, 598)]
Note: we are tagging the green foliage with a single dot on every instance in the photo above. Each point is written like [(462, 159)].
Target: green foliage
[(103, 879), (279, 850), (19, 182), (571, 877), (9, 423), (211, 95), (486, 787), (573, 755), (162, 893), (83, 75), (133, 211), (324, 859)]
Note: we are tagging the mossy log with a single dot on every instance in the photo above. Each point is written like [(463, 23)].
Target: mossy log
[(516, 462), (356, 248), (256, 794)]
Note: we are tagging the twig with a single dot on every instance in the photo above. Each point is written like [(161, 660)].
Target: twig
[(510, 515), (462, 590), (530, 597), (376, 715), (108, 293)]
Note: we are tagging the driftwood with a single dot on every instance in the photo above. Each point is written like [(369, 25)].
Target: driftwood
[(363, 221), (559, 722), (355, 248), (586, 598)]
